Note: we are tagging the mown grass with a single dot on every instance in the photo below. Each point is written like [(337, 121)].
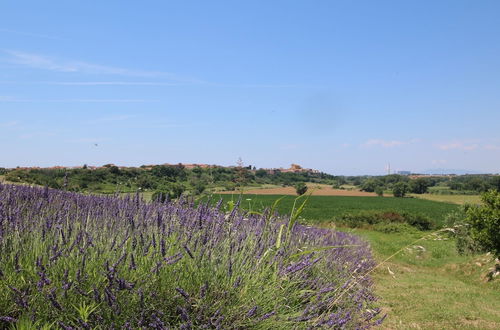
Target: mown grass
[(433, 287), (320, 209)]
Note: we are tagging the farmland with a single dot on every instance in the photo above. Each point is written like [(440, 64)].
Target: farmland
[(314, 189), (321, 209)]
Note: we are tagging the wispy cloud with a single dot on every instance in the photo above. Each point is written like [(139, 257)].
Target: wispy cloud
[(13, 100), (458, 146), (38, 61), (174, 82), (110, 83), (30, 34), (387, 143), (469, 145), (491, 147), (32, 135), (86, 140), (113, 118), (9, 124)]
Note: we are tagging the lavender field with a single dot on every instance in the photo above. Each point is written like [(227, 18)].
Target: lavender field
[(73, 261)]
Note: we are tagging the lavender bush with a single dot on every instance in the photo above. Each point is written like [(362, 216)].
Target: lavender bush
[(79, 262)]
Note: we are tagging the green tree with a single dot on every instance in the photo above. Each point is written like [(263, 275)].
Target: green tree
[(495, 182), (484, 222), (420, 185), (379, 191), (400, 189), (300, 188), (370, 185)]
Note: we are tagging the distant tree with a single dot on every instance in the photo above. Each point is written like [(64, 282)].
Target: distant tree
[(370, 185), (199, 188), (419, 186), (172, 191), (260, 173), (240, 177), (400, 189), (301, 188), (145, 182), (114, 170), (379, 191), (495, 182)]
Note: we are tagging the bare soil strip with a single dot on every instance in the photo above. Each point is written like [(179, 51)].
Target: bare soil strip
[(315, 189)]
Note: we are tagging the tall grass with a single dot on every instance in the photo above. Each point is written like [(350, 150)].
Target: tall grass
[(74, 261)]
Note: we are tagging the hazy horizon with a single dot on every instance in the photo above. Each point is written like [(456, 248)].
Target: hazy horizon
[(345, 88)]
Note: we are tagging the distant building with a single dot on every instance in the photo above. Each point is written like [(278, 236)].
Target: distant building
[(294, 168)]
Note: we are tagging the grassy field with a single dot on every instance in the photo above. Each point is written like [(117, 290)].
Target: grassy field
[(432, 287), (324, 208), (455, 199)]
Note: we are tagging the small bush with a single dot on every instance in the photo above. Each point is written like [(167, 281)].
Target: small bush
[(379, 191), (484, 222), (461, 231), (418, 221), (371, 218), (301, 188)]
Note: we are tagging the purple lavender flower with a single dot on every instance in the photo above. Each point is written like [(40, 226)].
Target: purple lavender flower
[(252, 311), (183, 293), (267, 315)]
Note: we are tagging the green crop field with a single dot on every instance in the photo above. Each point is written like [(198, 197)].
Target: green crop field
[(325, 208)]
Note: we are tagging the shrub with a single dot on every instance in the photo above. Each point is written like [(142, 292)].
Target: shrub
[(461, 231), (484, 222), (418, 221), (370, 218), (301, 188), (379, 191)]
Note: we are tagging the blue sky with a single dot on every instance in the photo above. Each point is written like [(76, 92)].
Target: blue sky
[(342, 86)]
